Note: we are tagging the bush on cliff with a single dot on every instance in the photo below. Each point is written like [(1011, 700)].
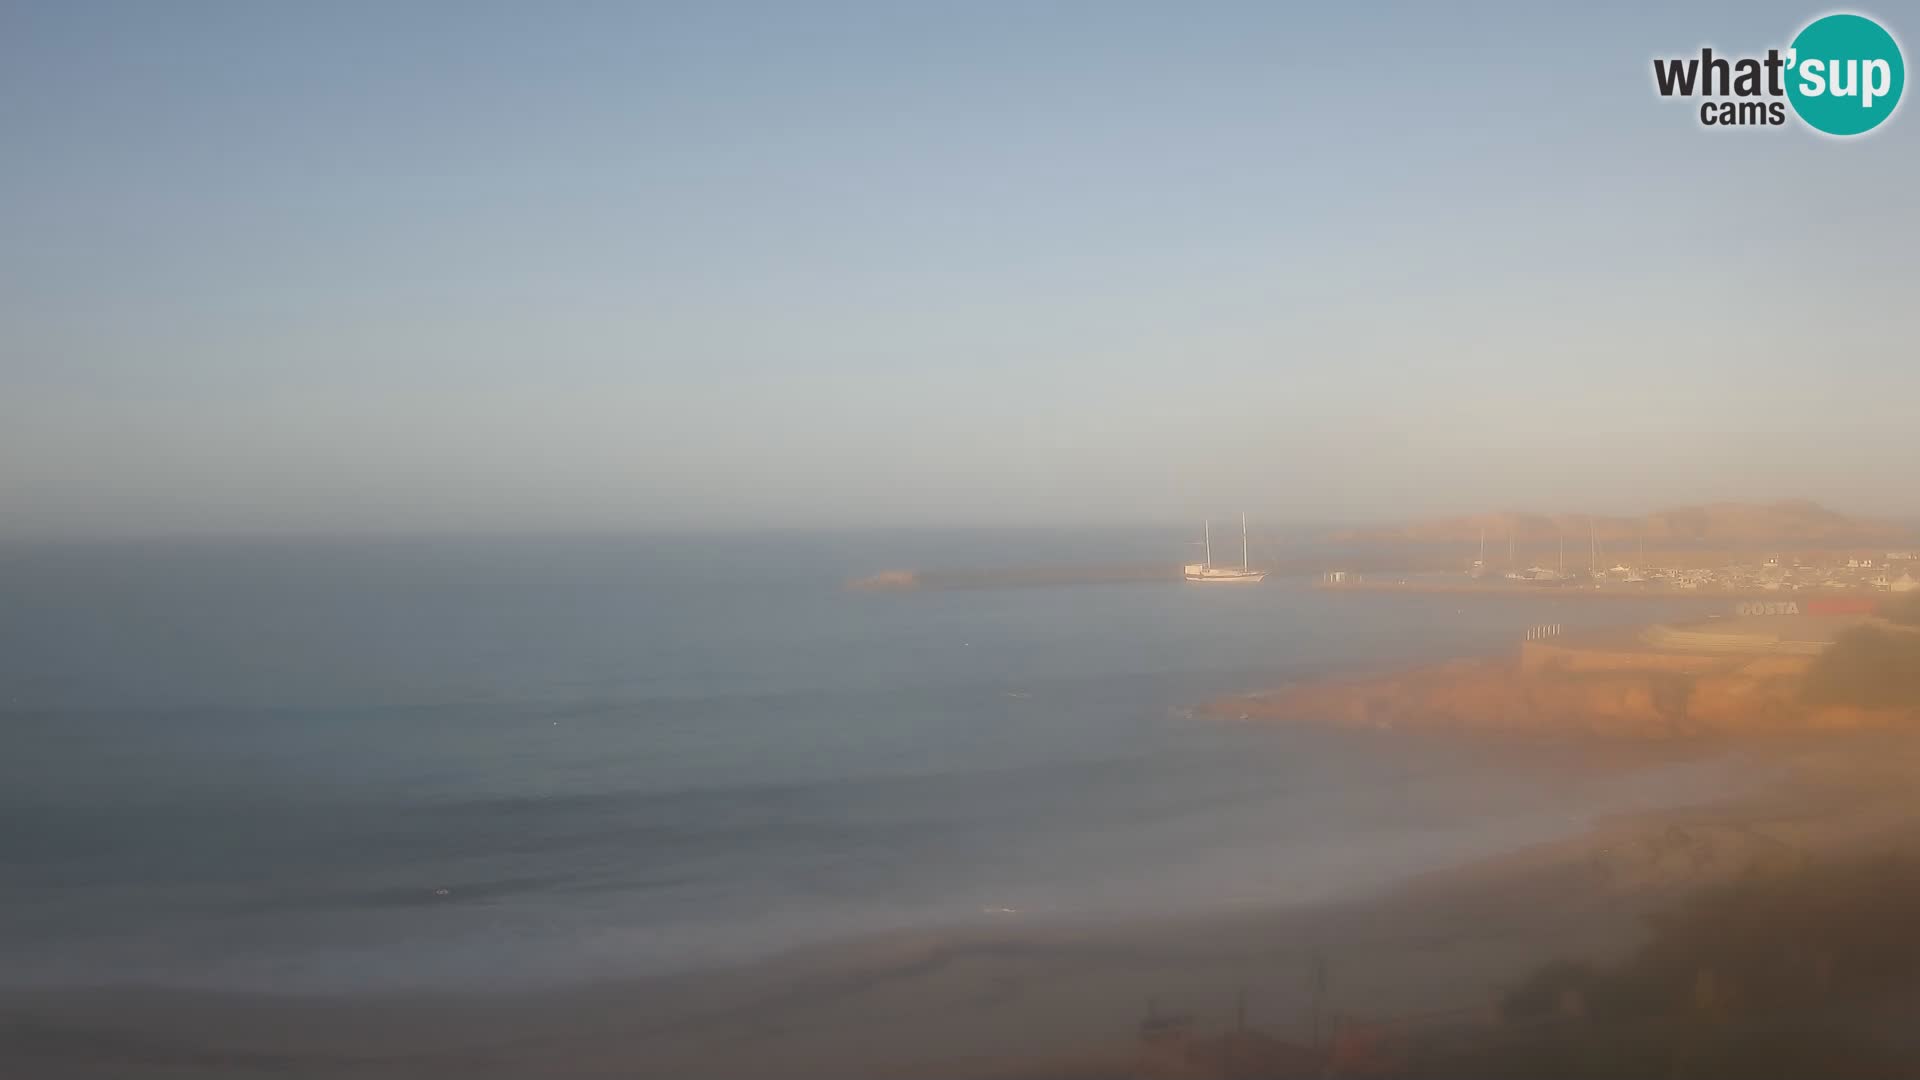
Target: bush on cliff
[(1868, 667), (1904, 611), (1779, 975)]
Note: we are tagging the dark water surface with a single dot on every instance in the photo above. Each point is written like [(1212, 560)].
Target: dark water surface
[(331, 765)]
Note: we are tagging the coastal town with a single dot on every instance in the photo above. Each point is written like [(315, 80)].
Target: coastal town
[(1858, 574), (1791, 546)]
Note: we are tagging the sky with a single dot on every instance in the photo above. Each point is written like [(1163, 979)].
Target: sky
[(471, 267)]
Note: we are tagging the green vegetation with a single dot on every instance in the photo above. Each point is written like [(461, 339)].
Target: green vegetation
[(1795, 975), (1868, 666)]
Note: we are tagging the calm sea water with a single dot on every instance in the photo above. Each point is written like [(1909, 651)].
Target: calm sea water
[(308, 765)]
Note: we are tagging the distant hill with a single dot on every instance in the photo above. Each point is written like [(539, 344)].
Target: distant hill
[(1793, 521)]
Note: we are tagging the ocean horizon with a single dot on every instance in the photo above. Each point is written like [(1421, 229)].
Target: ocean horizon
[(347, 765)]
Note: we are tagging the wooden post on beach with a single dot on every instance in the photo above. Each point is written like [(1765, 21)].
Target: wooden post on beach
[(1230, 1045), (1318, 981)]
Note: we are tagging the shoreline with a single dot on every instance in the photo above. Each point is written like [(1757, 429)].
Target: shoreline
[(1054, 1000), (1735, 682), (1588, 592)]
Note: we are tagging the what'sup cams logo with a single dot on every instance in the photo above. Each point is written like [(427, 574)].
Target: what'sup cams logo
[(1842, 75)]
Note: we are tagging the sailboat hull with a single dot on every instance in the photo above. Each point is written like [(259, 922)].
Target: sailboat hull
[(1205, 571), (1219, 575)]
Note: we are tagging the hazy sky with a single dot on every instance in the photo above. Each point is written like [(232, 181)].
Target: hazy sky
[(401, 266)]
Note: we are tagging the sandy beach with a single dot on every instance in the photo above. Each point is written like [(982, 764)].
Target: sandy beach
[(1033, 1000)]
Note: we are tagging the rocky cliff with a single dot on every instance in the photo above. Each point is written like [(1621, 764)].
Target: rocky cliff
[(1723, 696)]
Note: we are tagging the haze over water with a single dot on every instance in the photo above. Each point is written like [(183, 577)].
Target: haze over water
[(257, 763), (347, 268)]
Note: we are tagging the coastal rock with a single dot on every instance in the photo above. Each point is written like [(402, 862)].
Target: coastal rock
[(1729, 696), (887, 579)]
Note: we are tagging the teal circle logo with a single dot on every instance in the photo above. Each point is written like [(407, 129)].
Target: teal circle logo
[(1845, 74)]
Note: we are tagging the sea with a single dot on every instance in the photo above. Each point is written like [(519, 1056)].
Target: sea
[(329, 765)]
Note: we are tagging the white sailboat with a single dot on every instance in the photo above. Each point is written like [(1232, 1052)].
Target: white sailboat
[(1243, 574)]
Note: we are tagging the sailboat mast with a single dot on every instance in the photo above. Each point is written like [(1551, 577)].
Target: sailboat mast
[(1244, 563), (1207, 530)]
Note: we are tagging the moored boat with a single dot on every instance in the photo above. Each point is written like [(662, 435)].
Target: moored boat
[(1243, 574)]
